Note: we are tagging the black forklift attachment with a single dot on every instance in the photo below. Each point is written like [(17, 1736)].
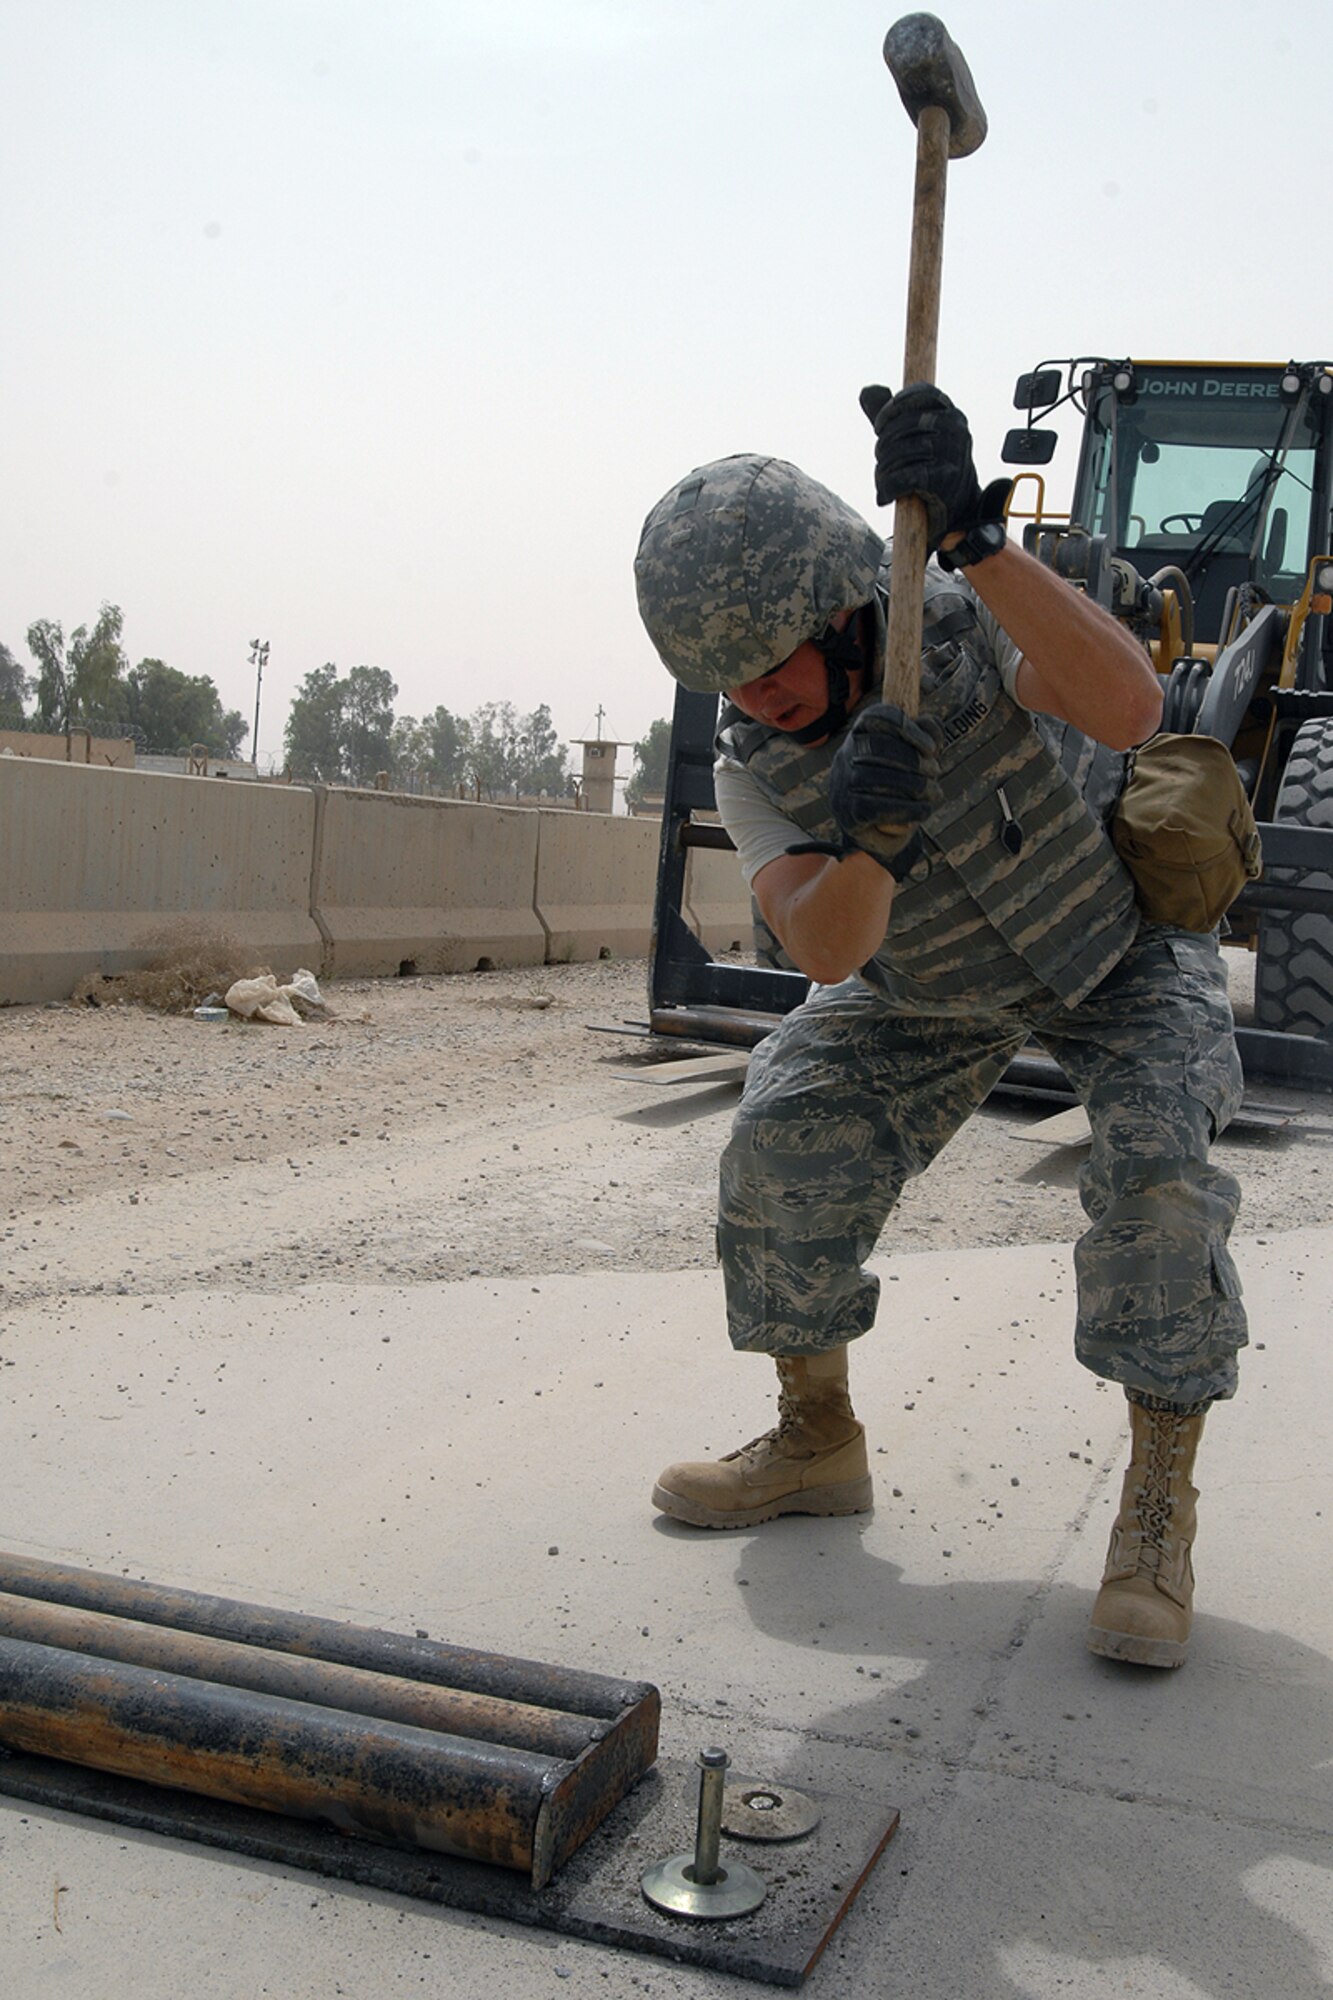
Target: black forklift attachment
[(706, 1000)]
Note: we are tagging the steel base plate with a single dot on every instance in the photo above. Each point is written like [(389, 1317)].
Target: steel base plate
[(811, 1883)]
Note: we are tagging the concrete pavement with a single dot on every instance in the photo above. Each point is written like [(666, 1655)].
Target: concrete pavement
[(474, 1460)]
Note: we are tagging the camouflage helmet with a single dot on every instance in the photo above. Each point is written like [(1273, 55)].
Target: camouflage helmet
[(742, 562)]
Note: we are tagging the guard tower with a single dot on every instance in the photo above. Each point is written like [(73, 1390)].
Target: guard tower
[(597, 784)]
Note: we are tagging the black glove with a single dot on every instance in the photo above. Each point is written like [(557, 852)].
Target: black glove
[(885, 781), (924, 447)]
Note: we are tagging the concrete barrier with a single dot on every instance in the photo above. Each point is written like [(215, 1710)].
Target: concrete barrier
[(715, 902), (98, 866), (430, 885), (595, 881), (80, 746)]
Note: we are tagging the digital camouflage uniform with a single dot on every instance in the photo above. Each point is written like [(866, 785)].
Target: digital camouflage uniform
[(862, 1086), (1012, 917)]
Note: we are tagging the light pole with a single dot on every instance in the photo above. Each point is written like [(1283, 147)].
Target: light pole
[(258, 660)]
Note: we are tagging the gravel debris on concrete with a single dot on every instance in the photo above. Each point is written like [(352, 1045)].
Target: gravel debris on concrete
[(445, 1127)]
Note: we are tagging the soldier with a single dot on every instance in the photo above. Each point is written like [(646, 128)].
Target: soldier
[(949, 884)]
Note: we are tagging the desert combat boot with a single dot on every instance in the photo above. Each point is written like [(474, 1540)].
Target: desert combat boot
[(1145, 1606), (813, 1461)]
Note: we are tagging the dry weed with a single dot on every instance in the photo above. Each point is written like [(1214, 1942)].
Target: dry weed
[(189, 963)]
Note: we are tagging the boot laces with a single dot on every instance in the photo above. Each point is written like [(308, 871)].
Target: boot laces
[(1156, 1500), (789, 1420)]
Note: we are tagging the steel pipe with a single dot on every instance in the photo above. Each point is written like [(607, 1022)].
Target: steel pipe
[(396, 1739), (322, 1638), (388, 1697), (414, 1787)]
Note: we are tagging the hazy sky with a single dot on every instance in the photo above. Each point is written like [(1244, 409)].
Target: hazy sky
[(374, 330)]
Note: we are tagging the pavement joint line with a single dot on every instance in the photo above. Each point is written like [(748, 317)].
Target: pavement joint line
[(958, 1763), (1004, 1663), (1182, 1806)]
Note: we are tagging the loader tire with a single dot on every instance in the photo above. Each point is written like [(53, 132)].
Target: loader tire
[(1293, 979)]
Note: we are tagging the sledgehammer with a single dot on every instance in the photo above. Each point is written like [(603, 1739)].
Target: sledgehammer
[(936, 86)]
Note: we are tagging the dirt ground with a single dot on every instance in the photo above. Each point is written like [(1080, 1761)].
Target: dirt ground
[(441, 1127)]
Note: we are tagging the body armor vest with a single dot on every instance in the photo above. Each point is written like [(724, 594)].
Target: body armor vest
[(973, 919)]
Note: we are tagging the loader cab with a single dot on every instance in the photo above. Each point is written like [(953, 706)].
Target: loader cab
[(1220, 471)]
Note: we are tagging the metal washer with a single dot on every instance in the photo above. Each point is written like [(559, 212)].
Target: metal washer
[(670, 1886), (755, 1811)]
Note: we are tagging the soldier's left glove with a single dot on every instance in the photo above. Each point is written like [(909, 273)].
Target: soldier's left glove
[(923, 447), (884, 783)]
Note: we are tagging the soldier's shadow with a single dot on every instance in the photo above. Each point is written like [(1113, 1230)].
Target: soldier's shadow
[(1105, 1802)]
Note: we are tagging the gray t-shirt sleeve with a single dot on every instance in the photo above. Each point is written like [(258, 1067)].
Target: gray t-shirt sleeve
[(1007, 656), (760, 831)]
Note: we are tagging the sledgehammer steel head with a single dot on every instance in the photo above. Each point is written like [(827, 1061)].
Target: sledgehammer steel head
[(928, 68)]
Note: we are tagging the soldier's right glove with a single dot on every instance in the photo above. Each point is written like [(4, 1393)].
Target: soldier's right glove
[(884, 783)]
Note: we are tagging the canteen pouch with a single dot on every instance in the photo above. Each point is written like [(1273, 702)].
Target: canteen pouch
[(1184, 829)]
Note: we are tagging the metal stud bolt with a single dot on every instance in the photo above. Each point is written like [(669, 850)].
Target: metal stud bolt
[(698, 1885)]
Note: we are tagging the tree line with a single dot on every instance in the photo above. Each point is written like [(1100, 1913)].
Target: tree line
[(85, 681), (341, 729)]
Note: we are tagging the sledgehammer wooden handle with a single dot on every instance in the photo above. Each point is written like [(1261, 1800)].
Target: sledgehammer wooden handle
[(936, 87)]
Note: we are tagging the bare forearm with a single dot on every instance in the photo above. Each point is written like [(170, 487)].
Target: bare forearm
[(1079, 663), (830, 915)]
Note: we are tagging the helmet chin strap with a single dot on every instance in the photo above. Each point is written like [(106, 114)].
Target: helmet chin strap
[(843, 654)]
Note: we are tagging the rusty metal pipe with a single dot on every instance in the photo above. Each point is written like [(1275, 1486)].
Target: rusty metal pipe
[(713, 1024), (390, 1698), (457, 1667), (331, 1727), (383, 1780), (702, 833)]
